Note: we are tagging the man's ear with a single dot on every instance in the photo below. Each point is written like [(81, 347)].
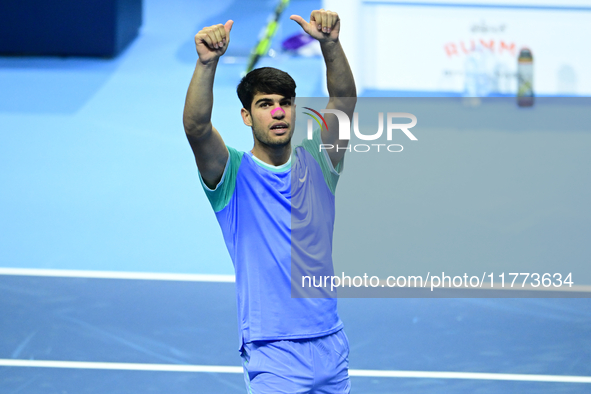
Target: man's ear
[(246, 118)]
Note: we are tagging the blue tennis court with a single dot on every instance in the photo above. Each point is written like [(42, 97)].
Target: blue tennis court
[(114, 277), (131, 336)]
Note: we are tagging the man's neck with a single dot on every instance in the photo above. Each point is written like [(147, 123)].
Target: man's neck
[(273, 156)]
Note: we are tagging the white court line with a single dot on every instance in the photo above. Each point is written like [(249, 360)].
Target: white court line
[(118, 366), (352, 372), (117, 275), (470, 375)]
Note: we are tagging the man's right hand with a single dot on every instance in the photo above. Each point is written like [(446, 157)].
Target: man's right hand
[(211, 42)]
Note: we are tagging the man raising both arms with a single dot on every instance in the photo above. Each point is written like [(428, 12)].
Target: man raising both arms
[(287, 344)]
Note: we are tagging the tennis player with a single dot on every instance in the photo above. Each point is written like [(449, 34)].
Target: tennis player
[(287, 344)]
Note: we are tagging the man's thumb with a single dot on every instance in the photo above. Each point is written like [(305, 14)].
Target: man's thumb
[(301, 21), (228, 26)]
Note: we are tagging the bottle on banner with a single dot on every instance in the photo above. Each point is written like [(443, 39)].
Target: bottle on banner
[(525, 78)]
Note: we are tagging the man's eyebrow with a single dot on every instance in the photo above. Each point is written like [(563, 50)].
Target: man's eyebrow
[(264, 99)]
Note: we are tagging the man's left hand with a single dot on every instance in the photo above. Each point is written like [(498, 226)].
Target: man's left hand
[(323, 26)]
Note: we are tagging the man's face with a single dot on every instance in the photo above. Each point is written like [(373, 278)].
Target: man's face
[(270, 117)]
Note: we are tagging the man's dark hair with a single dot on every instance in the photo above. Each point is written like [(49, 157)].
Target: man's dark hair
[(265, 80)]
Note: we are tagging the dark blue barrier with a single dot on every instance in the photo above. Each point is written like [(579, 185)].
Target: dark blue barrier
[(68, 27)]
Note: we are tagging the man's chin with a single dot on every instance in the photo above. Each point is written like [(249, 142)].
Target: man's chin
[(277, 140), (280, 142)]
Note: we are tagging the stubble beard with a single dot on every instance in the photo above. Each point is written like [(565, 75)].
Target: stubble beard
[(266, 138)]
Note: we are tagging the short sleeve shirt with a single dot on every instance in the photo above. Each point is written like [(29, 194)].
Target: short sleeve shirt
[(278, 221)]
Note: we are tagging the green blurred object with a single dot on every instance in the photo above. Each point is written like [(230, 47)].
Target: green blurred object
[(262, 47)]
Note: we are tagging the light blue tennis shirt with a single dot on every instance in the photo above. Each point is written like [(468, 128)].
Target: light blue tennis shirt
[(277, 221)]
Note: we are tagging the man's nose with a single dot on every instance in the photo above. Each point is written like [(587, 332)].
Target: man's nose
[(278, 112)]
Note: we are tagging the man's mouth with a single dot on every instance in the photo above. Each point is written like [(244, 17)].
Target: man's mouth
[(279, 128)]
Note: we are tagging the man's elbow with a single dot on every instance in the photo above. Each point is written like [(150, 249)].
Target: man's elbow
[(349, 93), (344, 102), (196, 134), (195, 129)]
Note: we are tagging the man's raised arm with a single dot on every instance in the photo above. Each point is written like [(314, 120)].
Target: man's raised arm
[(207, 144), (325, 26)]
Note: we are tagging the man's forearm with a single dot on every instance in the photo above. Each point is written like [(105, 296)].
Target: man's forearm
[(339, 77), (199, 100)]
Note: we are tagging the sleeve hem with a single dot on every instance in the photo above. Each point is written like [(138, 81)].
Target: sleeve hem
[(332, 168), (207, 188)]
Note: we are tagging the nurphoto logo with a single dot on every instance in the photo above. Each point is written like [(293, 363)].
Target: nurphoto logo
[(345, 129)]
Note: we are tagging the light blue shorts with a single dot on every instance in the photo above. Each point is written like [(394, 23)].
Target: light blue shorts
[(315, 365)]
